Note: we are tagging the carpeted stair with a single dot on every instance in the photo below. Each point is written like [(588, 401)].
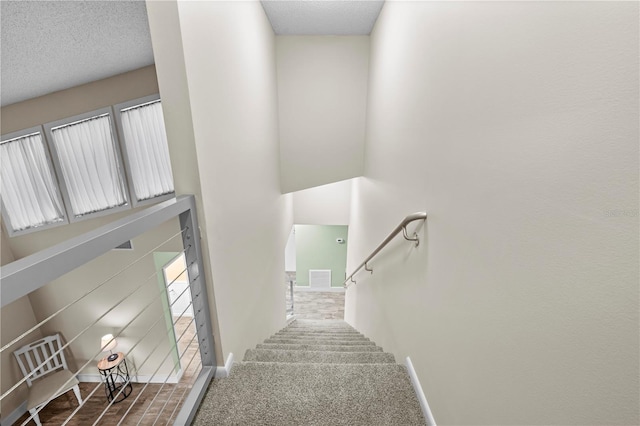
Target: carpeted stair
[(313, 373)]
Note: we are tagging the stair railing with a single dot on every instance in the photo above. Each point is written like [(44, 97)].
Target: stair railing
[(401, 227), (290, 307), (143, 299)]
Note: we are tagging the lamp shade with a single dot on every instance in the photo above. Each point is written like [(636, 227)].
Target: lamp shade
[(108, 343)]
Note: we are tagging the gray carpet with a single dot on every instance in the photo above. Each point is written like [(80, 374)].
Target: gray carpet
[(313, 373)]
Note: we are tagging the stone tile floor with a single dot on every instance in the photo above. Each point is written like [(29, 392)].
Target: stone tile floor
[(317, 305)]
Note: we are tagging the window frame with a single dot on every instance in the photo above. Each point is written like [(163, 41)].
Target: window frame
[(58, 168), (127, 162), (5, 214)]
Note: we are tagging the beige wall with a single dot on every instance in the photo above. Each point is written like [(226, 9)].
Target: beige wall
[(149, 328), (322, 97), (164, 24), (515, 126), (323, 205), (79, 99), (224, 74), (15, 318)]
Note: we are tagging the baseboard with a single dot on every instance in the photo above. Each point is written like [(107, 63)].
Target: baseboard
[(320, 289), (222, 372), (139, 378), (417, 388), (14, 415)]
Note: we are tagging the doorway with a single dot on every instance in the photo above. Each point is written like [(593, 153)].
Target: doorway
[(177, 280), (315, 270)]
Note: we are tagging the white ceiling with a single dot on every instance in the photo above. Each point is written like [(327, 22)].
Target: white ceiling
[(53, 45), (48, 46), (322, 17)]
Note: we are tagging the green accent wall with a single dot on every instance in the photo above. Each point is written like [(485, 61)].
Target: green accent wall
[(316, 248)]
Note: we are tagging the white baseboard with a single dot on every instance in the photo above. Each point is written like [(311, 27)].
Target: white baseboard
[(14, 415), (135, 378), (222, 372), (320, 289), (417, 388)]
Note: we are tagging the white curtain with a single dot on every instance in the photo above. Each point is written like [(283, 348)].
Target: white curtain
[(89, 163), (146, 144), (29, 191)]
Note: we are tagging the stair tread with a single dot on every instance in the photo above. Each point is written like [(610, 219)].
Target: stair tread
[(312, 394), (332, 348), (313, 372), (325, 337), (279, 355), (319, 341), (321, 333)]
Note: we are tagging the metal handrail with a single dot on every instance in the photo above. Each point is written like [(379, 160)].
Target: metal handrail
[(401, 227)]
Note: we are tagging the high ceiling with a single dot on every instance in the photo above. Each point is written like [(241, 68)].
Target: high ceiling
[(53, 45), (322, 17), (48, 46)]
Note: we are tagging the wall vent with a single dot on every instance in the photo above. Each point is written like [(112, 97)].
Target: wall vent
[(320, 278)]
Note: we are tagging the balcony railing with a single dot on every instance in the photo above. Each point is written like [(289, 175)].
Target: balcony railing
[(82, 290)]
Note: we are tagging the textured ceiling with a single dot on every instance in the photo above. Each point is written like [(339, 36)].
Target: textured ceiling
[(322, 17), (53, 45), (48, 46)]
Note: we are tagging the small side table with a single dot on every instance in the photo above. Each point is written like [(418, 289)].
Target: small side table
[(116, 376)]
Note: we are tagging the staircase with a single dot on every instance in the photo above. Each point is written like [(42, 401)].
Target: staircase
[(313, 373)]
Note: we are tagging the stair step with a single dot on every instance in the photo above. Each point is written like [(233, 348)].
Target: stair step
[(319, 323), (320, 335), (318, 341), (332, 348), (311, 394), (321, 330), (317, 326), (313, 331), (276, 355), (315, 337)]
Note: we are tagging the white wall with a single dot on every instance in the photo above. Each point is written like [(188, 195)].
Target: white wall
[(322, 95), (166, 40), (515, 126), (228, 52), (323, 205), (290, 252)]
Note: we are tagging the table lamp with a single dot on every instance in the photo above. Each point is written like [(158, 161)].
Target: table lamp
[(109, 343)]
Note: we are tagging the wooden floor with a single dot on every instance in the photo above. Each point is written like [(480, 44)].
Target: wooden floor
[(154, 404)]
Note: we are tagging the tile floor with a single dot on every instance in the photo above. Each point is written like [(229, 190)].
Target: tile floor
[(317, 305)]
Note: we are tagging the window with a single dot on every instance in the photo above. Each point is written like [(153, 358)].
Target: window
[(30, 196), (80, 167), (141, 128), (87, 157)]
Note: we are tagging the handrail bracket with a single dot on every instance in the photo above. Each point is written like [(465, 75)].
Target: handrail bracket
[(406, 236), (366, 268)]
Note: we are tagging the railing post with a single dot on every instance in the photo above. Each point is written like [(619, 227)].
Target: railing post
[(195, 269), (291, 292)]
